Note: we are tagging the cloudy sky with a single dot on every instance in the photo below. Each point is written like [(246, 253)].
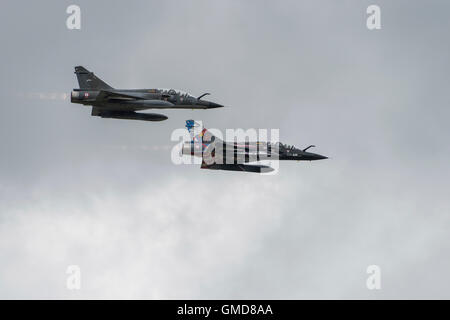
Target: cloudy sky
[(103, 194)]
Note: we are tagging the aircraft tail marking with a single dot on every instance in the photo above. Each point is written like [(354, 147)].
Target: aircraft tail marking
[(204, 136), (88, 81)]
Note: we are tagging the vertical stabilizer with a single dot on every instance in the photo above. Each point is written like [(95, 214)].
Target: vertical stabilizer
[(88, 81)]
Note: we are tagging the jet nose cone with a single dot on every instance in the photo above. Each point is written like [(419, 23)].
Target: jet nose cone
[(316, 156), (208, 104), (313, 156), (320, 157), (212, 105)]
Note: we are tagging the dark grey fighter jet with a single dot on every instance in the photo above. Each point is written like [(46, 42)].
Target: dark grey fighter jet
[(108, 102), (217, 154)]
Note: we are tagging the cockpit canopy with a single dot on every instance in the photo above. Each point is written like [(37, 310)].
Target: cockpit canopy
[(283, 146), (175, 92)]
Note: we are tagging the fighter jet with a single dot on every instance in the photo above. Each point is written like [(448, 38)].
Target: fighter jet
[(221, 155), (108, 102)]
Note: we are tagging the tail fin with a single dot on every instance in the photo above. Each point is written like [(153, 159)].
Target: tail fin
[(87, 80), (201, 135)]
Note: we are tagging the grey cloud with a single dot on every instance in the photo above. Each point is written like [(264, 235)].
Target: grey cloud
[(75, 189)]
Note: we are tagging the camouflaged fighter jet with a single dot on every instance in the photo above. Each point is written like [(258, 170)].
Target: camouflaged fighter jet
[(217, 154), (108, 102)]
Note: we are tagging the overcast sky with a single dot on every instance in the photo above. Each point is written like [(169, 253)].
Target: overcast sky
[(103, 194)]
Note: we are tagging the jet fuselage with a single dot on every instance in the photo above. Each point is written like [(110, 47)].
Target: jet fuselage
[(141, 99), (108, 102)]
